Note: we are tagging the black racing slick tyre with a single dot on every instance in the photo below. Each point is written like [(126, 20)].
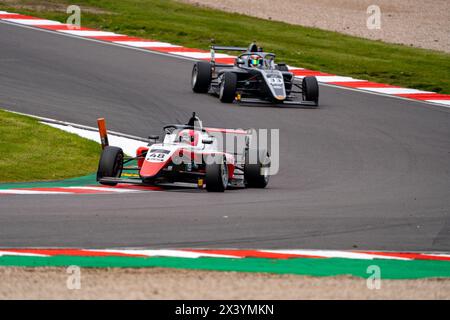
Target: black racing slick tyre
[(227, 92), (216, 176), (110, 164), (201, 77), (310, 89), (256, 173)]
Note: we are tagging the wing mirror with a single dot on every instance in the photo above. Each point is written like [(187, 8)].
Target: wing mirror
[(153, 138), (208, 141), (239, 61)]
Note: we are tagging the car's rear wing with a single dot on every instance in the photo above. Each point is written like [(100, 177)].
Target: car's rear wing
[(214, 48), (228, 48), (252, 48)]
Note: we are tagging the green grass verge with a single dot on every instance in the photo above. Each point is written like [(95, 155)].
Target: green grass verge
[(300, 46), (390, 269), (33, 151)]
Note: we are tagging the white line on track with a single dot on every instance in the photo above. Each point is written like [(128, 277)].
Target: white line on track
[(338, 79), (147, 44), (430, 103), (71, 124), (33, 22), (202, 55), (21, 191), (111, 43), (128, 145), (90, 33), (446, 102), (389, 90)]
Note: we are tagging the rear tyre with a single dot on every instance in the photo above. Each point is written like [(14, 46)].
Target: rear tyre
[(310, 89), (216, 177), (201, 77), (110, 164), (256, 175), (227, 92)]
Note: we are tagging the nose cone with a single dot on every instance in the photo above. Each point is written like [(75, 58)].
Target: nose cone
[(151, 169), (281, 98)]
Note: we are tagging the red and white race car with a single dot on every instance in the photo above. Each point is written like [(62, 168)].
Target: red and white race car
[(190, 153)]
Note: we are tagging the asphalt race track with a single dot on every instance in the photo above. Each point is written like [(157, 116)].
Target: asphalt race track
[(361, 172)]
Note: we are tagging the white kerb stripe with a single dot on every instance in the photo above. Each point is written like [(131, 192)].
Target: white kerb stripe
[(19, 191), (334, 254), (444, 102), (6, 12), (389, 90), (438, 255), (90, 33), (12, 253), (34, 22), (147, 44), (294, 68), (166, 253)]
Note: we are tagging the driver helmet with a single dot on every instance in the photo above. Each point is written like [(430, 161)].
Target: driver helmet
[(255, 61), (188, 136)]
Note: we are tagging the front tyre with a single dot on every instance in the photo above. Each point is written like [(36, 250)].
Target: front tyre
[(310, 89), (201, 77), (216, 176), (110, 164), (227, 92)]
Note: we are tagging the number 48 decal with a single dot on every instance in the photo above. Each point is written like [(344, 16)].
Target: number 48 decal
[(156, 156)]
